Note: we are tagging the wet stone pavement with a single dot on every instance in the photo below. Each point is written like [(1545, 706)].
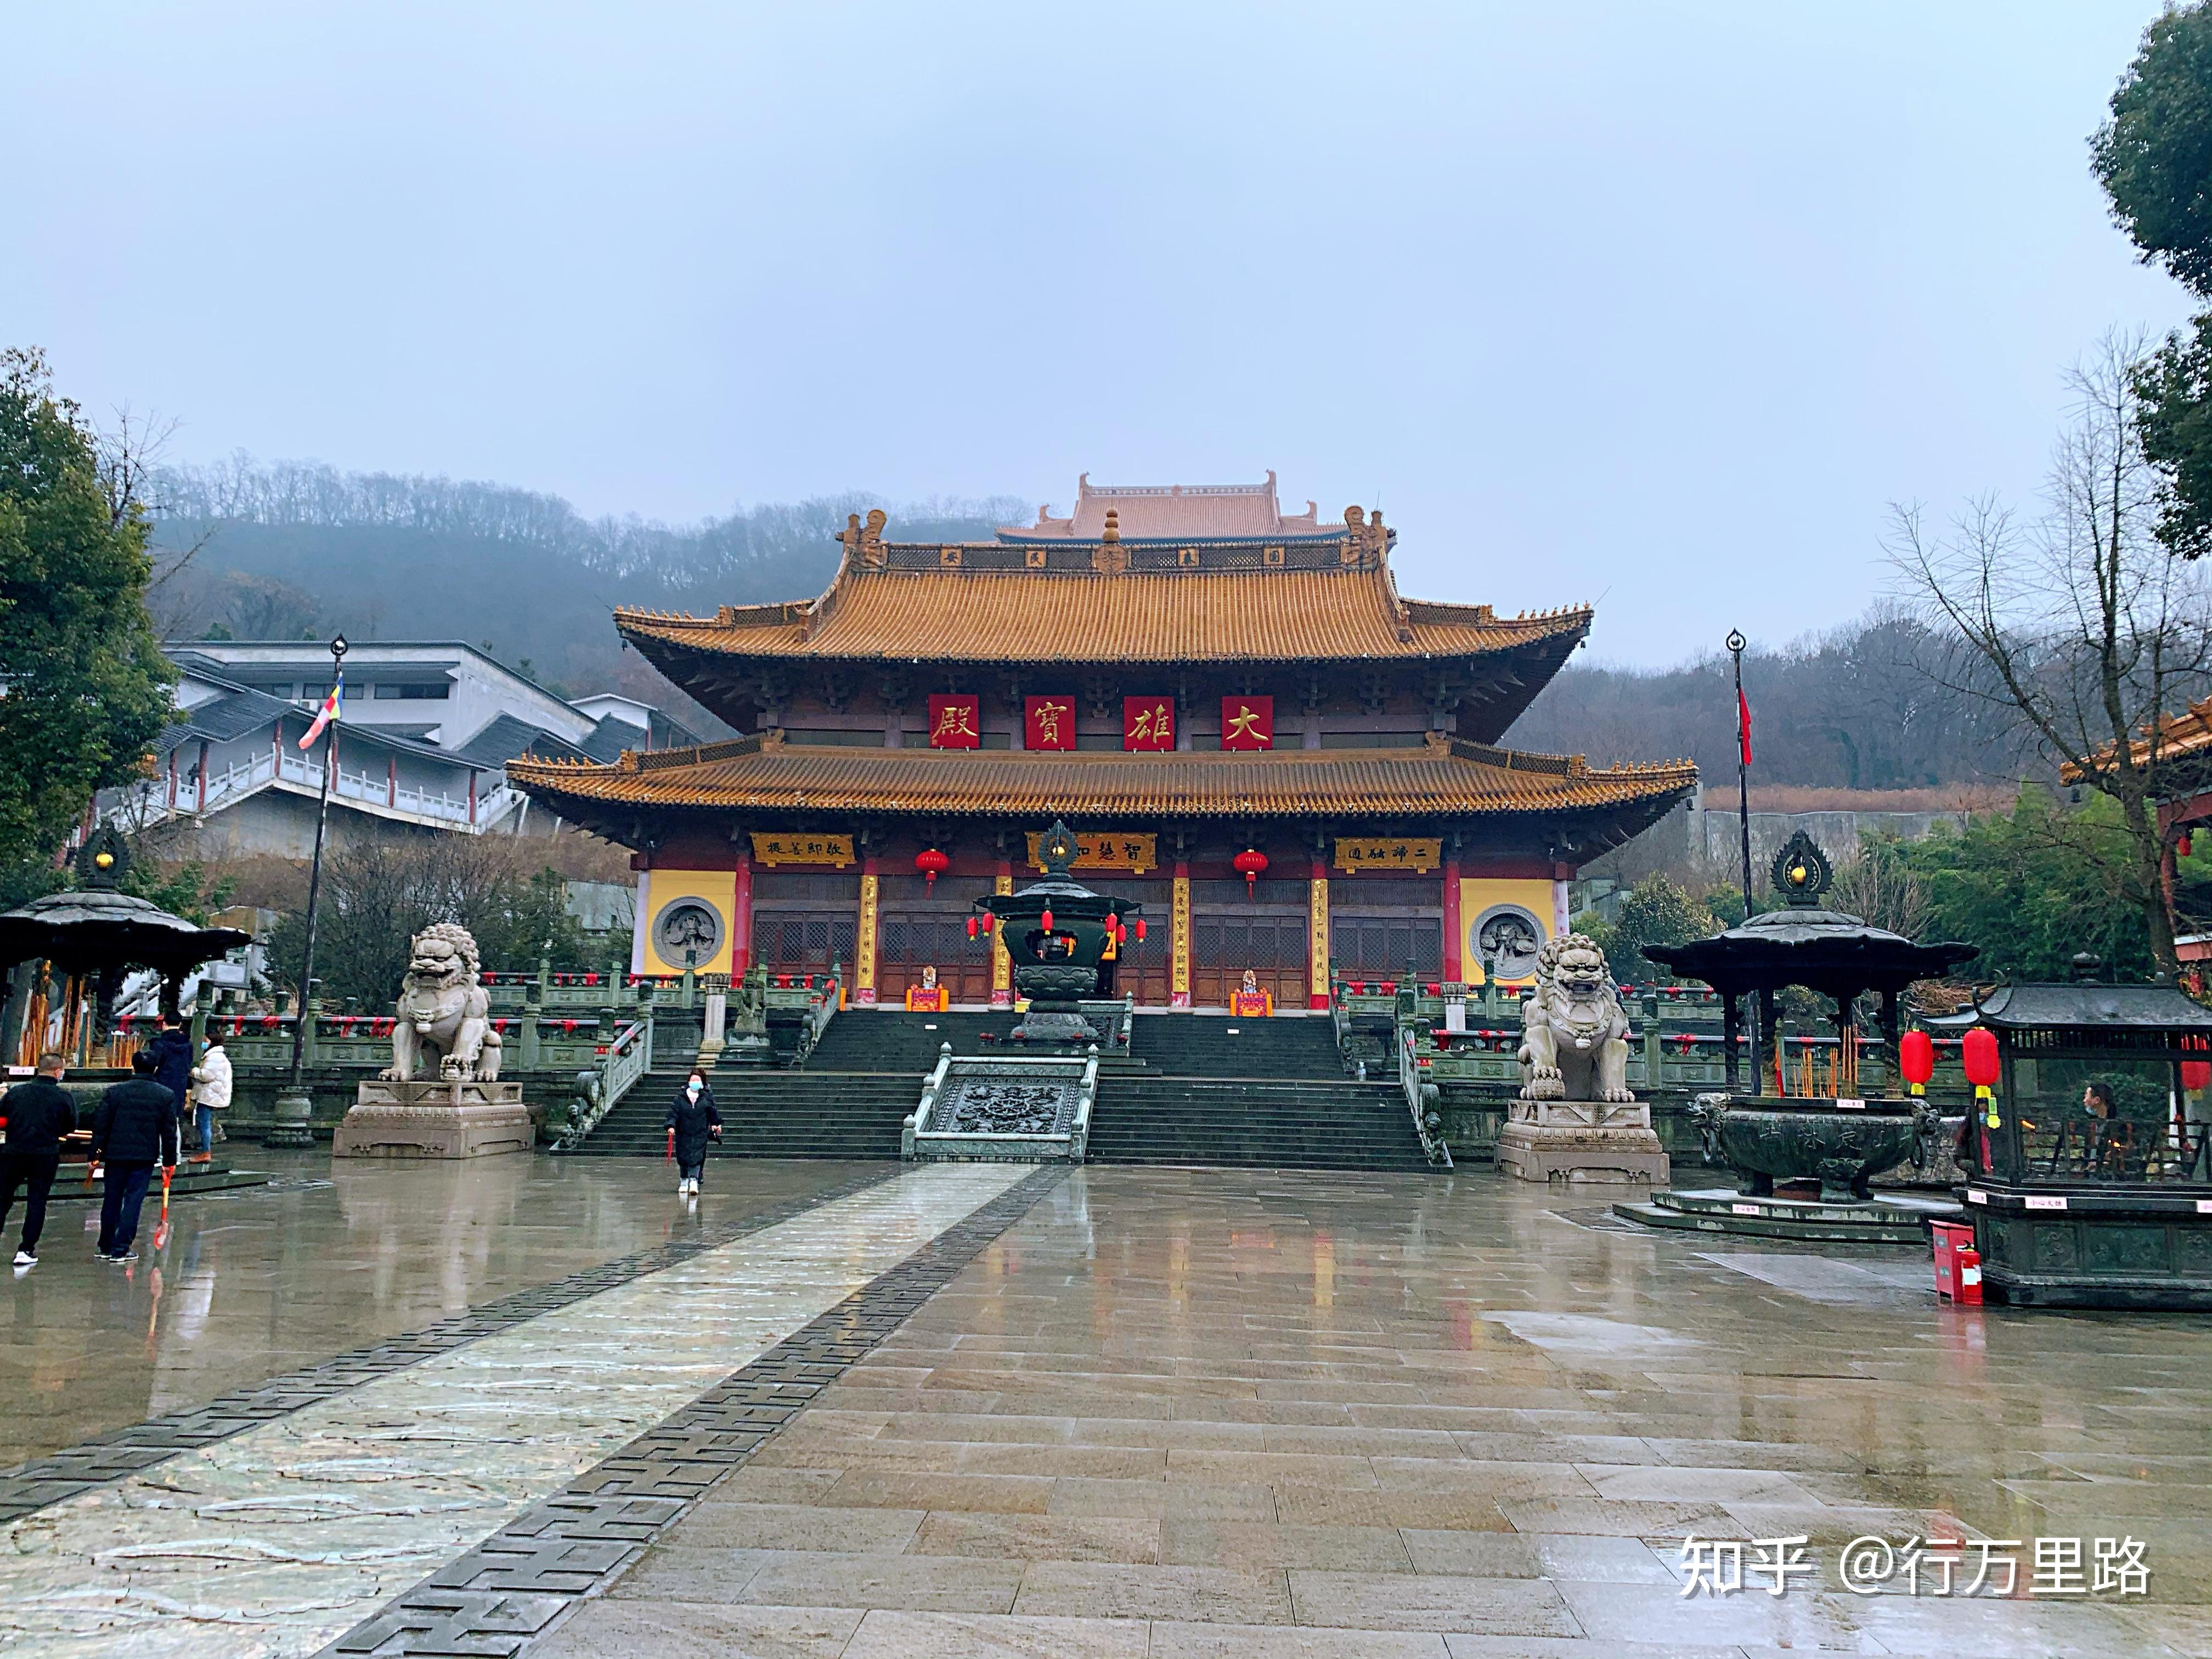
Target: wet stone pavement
[(331, 1255), (1159, 1412)]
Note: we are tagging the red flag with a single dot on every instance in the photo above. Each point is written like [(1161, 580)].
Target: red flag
[(1743, 724)]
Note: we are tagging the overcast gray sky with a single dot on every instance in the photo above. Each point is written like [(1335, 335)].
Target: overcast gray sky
[(1659, 303)]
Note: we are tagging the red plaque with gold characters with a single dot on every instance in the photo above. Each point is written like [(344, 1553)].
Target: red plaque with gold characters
[(1048, 722), (1147, 723), (955, 722), (1248, 722)]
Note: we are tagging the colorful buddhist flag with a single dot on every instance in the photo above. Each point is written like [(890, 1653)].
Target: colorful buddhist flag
[(1248, 722), (326, 714), (1048, 722), (955, 722), (1148, 723)]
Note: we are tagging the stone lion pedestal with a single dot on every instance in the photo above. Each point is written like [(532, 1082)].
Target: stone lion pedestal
[(443, 1027), (436, 1117), (1576, 1120), (1582, 1140)]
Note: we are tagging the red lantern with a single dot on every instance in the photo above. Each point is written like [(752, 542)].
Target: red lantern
[(932, 864), (1249, 864), (1140, 930), (2196, 1075), (1979, 1052), (1047, 920), (2182, 845), (1915, 1060), (974, 927)]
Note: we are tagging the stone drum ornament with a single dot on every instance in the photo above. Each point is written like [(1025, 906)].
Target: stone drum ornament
[(1577, 1119), (441, 1096)]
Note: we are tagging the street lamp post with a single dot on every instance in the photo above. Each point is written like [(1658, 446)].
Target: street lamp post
[(1736, 645), (289, 1121)]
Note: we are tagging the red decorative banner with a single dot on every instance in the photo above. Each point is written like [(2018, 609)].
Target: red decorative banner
[(956, 723), (1248, 722), (1147, 723), (1048, 722)]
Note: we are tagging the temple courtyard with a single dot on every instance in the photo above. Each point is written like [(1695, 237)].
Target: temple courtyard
[(542, 1406)]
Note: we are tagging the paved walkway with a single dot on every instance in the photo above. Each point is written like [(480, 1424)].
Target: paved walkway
[(971, 1410)]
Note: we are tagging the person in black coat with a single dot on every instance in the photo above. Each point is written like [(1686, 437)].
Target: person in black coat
[(692, 1116), (171, 1049), (39, 1113), (135, 1127)]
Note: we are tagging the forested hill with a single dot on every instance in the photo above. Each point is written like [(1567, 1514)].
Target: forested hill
[(1855, 708), (290, 550)]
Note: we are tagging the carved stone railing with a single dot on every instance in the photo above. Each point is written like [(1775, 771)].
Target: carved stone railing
[(930, 1089), (1079, 1139), (1013, 1109), (600, 1086), (822, 994), (1421, 1096)]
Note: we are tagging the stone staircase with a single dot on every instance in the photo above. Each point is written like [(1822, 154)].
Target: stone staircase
[(1196, 1089), (896, 1040), (1264, 1093), (1269, 1122), (769, 1114)]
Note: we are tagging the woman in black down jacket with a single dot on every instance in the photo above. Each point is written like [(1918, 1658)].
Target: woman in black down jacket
[(692, 1116)]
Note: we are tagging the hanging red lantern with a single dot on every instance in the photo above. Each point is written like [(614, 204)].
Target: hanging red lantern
[(1978, 1052), (2182, 845), (2196, 1075), (1915, 1060), (932, 864), (1140, 930), (1047, 919), (974, 927), (1249, 864)]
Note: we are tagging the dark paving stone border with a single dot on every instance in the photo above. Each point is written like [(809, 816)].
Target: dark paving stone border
[(512, 1587), (111, 1456)]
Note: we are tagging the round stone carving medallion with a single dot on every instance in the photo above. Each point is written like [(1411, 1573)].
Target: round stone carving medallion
[(1510, 937), (688, 931)]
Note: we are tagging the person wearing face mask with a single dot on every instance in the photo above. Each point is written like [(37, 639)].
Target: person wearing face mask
[(692, 1116)]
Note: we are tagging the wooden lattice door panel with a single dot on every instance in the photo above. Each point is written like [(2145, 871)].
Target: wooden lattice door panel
[(805, 942), (1223, 945), (1379, 947), (908, 942)]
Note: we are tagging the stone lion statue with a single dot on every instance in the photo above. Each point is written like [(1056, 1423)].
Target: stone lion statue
[(443, 1011), (1574, 1034)]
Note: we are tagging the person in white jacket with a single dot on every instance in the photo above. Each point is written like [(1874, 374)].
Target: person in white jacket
[(211, 1094)]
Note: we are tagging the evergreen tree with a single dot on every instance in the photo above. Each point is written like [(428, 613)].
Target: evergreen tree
[(86, 686)]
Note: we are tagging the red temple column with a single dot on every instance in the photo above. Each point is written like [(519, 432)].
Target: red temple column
[(1002, 965), (1179, 939), (741, 919), (1317, 937), (864, 949), (1451, 922)]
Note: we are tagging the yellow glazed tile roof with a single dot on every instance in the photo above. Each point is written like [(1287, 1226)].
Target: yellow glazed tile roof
[(1443, 776), (1090, 616)]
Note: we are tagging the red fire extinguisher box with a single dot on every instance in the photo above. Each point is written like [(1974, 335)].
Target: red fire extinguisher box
[(1950, 1237)]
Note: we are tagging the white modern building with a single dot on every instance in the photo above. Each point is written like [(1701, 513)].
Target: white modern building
[(427, 730)]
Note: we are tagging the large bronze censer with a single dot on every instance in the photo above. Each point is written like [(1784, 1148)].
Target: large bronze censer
[(1812, 1118), (1056, 932)]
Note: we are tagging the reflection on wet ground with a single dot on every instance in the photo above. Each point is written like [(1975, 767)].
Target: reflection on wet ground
[(1227, 1413), (259, 1281), (1174, 1413)]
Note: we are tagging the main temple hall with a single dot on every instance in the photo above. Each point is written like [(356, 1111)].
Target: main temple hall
[(1290, 765)]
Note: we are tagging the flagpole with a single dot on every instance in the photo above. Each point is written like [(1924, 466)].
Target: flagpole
[(289, 1127), (1736, 645)]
